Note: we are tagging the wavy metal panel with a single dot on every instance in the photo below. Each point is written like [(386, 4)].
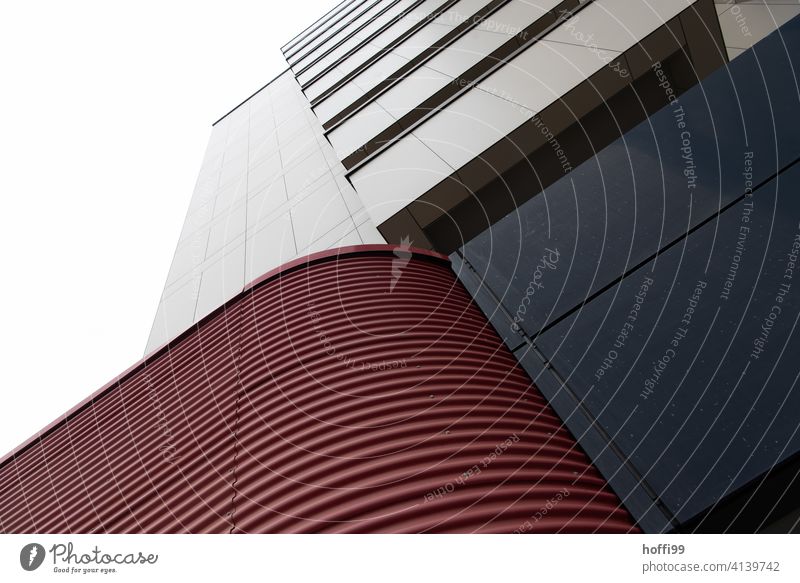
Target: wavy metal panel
[(149, 454), (375, 395), (358, 391)]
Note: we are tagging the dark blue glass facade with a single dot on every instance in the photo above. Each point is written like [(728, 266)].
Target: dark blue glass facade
[(654, 293)]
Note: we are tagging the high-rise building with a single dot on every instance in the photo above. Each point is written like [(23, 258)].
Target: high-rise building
[(470, 266)]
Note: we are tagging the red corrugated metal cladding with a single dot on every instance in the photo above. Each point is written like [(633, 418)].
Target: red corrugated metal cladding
[(358, 391)]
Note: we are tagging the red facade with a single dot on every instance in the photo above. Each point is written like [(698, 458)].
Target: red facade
[(351, 391)]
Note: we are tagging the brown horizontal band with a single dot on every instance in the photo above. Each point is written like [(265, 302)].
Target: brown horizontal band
[(347, 37), (329, 25), (380, 54), (289, 47), (464, 82), (406, 69)]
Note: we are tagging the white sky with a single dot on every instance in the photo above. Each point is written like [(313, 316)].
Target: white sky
[(107, 109)]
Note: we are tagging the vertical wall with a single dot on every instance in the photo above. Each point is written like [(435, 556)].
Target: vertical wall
[(270, 189)]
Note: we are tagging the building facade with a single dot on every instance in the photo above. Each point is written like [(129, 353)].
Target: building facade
[(470, 266)]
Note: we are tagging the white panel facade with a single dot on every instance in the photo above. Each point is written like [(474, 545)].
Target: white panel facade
[(270, 189), (744, 23), (507, 98)]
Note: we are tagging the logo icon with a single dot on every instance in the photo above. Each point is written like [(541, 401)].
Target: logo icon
[(402, 255), (31, 556)]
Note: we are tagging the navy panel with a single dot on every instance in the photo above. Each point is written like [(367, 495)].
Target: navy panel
[(690, 362), (652, 294), (648, 188)]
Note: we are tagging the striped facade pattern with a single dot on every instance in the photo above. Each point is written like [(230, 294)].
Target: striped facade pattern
[(352, 391)]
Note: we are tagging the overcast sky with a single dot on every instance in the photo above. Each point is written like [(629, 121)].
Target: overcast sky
[(107, 110)]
